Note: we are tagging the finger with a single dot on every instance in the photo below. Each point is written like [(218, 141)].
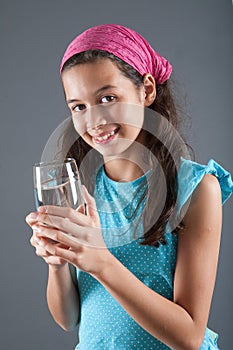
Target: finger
[(61, 223), (39, 245), (63, 254), (49, 258), (90, 203), (34, 240), (75, 238), (81, 209), (78, 223), (41, 252), (64, 212), (71, 239), (31, 218)]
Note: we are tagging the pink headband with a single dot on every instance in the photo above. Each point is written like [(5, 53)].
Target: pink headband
[(124, 43)]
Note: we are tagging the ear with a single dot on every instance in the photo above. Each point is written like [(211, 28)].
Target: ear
[(150, 89)]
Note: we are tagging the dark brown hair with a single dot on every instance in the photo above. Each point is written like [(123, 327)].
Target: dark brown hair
[(164, 166)]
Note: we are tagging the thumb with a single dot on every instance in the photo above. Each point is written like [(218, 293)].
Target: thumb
[(91, 208)]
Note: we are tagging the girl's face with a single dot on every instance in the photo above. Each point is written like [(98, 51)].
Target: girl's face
[(96, 94)]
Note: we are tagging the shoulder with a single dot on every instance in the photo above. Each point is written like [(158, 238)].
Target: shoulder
[(204, 211), (206, 196), (207, 190), (210, 182)]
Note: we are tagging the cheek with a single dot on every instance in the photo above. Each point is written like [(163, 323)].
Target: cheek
[(79, 124), (132, 119), (87, 138), (129, 133)]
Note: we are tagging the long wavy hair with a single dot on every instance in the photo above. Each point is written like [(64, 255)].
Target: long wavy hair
[(165, 151)]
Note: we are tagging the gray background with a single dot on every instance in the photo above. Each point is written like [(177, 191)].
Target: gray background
[(195, 35)]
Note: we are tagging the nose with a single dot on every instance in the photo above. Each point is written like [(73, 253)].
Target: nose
[(95, 117)]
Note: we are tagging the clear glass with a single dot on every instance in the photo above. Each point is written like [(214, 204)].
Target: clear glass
[(57, 183)]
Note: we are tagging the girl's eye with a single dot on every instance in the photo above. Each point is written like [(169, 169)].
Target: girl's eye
[(78, 108), (107, 99)]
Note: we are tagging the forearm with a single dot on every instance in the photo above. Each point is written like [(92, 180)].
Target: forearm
[(164, 319), (62, 297)]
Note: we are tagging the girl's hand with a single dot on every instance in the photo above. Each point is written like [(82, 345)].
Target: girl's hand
[(79, 237), (39, 243)]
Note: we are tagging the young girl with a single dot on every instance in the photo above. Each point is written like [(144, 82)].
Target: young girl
[(135, 268)]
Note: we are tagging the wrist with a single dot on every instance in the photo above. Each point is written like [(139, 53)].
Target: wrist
[(109, 264), (57, 267)]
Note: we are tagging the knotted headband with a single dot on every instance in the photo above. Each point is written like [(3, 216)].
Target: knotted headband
[(124, 43)]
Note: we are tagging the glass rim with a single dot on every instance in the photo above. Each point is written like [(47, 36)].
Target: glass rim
[(54, 162)]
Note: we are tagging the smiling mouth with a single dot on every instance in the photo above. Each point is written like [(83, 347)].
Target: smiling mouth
[(106, 137)]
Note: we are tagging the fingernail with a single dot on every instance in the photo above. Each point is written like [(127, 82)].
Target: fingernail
[(33, 215), (36, 228), (42, 209), (40, 243)]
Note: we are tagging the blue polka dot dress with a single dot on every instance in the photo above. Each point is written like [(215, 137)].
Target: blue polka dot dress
[(104, 324)]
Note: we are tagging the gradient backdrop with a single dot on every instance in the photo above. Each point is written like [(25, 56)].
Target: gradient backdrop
[(196, 36)]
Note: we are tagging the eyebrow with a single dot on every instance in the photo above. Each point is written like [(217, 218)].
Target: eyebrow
[(102, 89)]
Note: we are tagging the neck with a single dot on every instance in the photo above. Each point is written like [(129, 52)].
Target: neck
[(129, 165), (122, 170), (125, 168)]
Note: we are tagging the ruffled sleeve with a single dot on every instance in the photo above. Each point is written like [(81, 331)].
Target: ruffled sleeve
[(191, 173)]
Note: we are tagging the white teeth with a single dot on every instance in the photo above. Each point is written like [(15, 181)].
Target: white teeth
[(105, 137)]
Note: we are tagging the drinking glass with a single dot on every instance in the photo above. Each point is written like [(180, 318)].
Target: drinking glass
[(57, 183)]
